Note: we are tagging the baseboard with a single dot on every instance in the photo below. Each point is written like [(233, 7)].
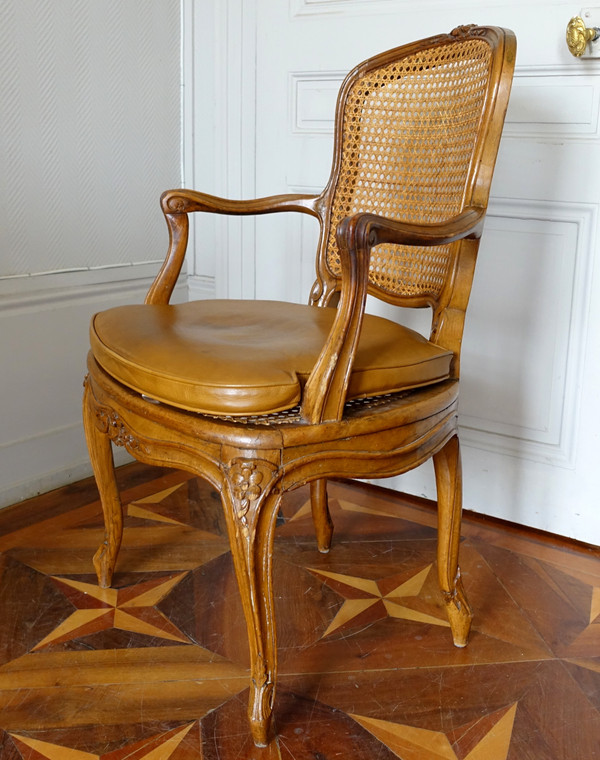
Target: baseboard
[(48, 481), (201, 287), (44, 324)]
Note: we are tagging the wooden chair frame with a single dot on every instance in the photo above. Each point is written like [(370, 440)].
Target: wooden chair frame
[(251, 462)]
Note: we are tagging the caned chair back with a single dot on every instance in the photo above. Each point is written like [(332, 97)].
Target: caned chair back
[(409, 138)]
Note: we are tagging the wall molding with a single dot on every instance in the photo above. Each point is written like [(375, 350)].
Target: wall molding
[(57, 473), (201, 287), (557, 444), (235, 119), (548, 103), (219, 151), (322, 7), (300, 8), (312, 96), (44, 340), (188, 92), (57, 289)]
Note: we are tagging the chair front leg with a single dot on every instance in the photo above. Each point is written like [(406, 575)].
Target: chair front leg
[(251, 502), (101, 457), (448, 476)]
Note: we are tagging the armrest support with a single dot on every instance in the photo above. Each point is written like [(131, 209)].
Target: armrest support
[(325, 390), (176, 204)]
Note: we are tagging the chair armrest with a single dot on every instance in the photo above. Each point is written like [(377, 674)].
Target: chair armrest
[(375, 230), (176, 204), (325, 390), (188, 201)]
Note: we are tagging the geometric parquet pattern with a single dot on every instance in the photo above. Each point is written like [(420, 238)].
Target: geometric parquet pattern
[(156, 668)]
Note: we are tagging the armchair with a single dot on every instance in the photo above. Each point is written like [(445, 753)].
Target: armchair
[(261, 397)]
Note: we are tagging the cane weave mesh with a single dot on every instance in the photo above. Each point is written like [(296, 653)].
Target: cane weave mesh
[(294, 416), (409, 132)]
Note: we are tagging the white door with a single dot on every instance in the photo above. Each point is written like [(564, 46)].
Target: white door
[(531, 356)]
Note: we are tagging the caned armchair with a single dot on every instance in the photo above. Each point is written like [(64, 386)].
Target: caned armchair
[(261, 397)]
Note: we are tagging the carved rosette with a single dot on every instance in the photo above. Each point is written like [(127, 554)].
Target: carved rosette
[(178, 205), (110, 423), (465, 30), (248, 479)]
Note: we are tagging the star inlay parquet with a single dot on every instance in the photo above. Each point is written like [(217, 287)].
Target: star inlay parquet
[(156, 668), (130, 609), (368, 600)]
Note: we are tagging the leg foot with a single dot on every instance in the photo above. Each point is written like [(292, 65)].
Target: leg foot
[(260, 710), (459, 613), (105, 560)]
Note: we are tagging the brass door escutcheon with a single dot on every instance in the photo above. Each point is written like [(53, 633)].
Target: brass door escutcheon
[(578, 35)]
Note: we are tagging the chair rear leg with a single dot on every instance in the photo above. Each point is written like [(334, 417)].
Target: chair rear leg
[(320, 514), (101, 457), (448, 475)]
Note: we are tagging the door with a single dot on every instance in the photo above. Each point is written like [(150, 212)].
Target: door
[(530, 408)]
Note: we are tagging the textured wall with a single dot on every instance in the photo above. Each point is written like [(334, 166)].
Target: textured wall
[(90, 131), (90, 135)]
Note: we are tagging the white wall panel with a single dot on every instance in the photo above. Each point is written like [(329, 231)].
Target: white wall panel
[(313, 96), (373, 7), (545, 101), (531, 367), (554, 101), (524, 341)]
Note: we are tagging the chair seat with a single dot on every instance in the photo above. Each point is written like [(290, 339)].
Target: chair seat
[(242, 357)]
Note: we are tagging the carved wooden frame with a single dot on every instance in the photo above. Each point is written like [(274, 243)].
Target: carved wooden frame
[(251, 464)]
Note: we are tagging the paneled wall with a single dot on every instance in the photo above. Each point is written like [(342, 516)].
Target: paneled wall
[(90, 98), (531, 358)]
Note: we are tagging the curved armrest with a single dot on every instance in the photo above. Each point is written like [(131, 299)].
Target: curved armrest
[(325, 390), (188, 201), (379, 229), (176, 204)]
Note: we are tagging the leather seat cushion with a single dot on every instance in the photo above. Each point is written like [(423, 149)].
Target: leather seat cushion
[(228, 357)]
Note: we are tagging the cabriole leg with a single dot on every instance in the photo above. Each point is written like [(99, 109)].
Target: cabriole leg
[(251, 503), (449, 491), (101, 457), (320, 514)]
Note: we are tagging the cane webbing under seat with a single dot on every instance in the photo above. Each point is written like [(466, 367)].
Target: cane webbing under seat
[(250, 357), (409, 130)]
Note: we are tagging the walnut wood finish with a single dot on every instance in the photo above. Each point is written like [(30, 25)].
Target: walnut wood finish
[(252, 461)]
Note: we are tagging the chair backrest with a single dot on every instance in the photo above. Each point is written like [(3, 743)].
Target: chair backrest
[(417, 133)]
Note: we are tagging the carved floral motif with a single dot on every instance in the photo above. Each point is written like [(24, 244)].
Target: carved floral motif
[(248, 479), (463, 31), (114, 427)]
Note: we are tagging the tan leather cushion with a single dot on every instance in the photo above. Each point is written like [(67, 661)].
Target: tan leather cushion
[(250, 357)]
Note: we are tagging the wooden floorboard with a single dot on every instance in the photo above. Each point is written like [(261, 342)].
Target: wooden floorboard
[(156, 668)]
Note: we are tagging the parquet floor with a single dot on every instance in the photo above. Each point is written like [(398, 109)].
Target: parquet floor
[(156, 668)]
